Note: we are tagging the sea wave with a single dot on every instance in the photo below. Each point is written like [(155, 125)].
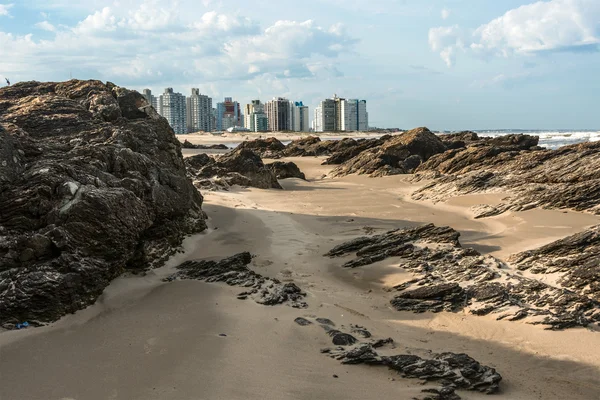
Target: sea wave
[(550, 139)]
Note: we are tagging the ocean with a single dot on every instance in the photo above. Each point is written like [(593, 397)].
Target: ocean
[(549, 139)]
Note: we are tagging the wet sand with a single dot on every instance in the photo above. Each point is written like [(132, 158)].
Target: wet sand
[(145, 339)]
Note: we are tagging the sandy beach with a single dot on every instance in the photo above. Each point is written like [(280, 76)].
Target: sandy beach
[(147, 339)]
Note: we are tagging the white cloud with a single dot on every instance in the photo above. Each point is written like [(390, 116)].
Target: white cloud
[(446, 40), (544, 26), (445, 13), (100, 21), (47, 26), (4, 9), (150, 44)]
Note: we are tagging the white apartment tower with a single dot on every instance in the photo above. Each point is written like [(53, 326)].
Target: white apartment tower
[(172, 106), (279, 113), (199, 112), (337, 114)]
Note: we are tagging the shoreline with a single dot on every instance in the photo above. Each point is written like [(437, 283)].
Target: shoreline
[(173, 348)]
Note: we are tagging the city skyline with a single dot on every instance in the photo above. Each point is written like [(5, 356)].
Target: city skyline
[(194, 113), (445, 64)]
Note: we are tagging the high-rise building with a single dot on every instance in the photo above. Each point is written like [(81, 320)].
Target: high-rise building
[(338, 114), (325, 116), (199, 112), (228, 114), (301, 117), (253, 112), (172, 106), (152, 100), (261, 122), (363, 116), (279, 114), (349, 115)]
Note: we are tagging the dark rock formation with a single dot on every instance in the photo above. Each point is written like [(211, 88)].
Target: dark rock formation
[(188, 145), (265, 148), (449, 277), (452, 370), (391, 157), (308, 146), (457, 369), (352, 148), (435, 298), (284, 170), (235, 272), (341, 339), (238, 167), (459, 140), (92, 182), (565, 178), (575, 258)]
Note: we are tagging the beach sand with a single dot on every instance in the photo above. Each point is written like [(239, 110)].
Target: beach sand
[(145, 339)]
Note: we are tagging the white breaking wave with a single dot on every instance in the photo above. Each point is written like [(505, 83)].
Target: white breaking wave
[(550, 139)]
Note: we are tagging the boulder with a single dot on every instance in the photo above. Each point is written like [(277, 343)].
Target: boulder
[(265, 148), (284, 170), (238, 167), (93, 183), (389, 157)]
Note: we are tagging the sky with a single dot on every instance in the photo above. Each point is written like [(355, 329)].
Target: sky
[(444, 64)]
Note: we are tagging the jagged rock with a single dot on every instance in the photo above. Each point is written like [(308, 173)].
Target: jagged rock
[(308, 146), (92, 183), (449, 277), (265, 148), (234, 271), (352, 149), (531, 177), (459, 139), (284, 170), (188, 145), (238, 167), (459, 369), (435, 298), (576, 259), (389, 158)]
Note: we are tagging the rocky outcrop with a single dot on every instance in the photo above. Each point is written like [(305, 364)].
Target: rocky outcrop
[(234, 271), (400, 154), (347, 152), (452, 370), (565, 178), (239, 167), (308, 146), (284, 170), (459, 140), (188, 145), (265, 148), (448, 277), (92, 183), (574, 261)]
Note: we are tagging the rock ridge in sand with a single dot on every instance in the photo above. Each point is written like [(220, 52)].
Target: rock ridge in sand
[(448, 277)]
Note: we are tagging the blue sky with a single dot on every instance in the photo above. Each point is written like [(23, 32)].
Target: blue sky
[(445, 64)]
